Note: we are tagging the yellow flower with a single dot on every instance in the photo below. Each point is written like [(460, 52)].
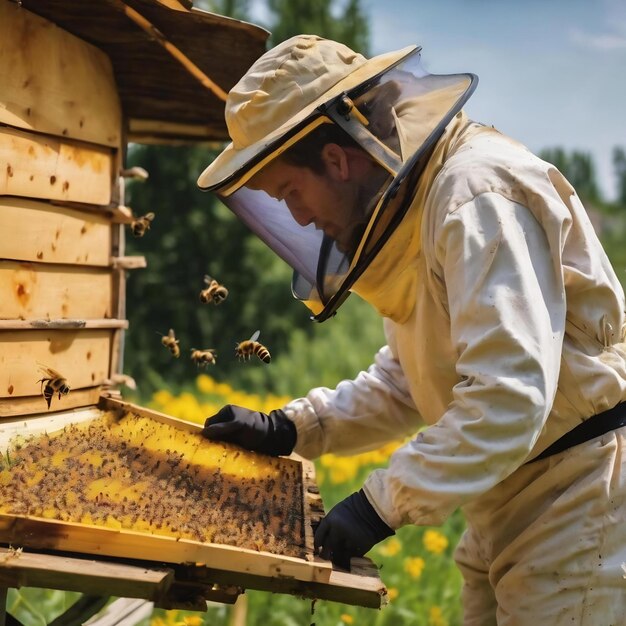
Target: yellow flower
[(243, 399), (347, 619), (162, 397), (171, 619), (343, 469), (435, 617), (274, 402), (391, 547), (191, 620), (327, 460), (205, 384), (392, 593), (414, 566), (223, 389), (209, 409), (435, 542)]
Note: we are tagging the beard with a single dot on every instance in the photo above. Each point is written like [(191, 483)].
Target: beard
[(350, 237)]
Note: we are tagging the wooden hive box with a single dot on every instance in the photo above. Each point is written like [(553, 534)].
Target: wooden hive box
[(80, 80)]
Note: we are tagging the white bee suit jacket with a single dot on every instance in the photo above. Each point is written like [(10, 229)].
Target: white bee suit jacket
[(509, 335)]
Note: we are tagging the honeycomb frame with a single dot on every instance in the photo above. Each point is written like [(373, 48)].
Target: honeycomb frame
[(114, 540)]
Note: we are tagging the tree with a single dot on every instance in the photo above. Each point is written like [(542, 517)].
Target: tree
[(293, 17), (238, 9), (354, 28), (323, 18), (579, 169), (619, 163)]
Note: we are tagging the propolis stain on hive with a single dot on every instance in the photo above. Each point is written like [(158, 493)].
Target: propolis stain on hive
[(139, 474)]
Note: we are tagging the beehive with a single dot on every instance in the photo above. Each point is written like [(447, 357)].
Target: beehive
[(132, 472), (80, 80), (122, 480)]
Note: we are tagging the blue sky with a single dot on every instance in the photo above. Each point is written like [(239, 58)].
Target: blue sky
[(551, 72)]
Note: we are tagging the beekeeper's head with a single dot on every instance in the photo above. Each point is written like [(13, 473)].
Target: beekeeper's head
[(319, 155)]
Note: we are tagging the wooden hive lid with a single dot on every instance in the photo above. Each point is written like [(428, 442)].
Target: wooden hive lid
[(160, 51)]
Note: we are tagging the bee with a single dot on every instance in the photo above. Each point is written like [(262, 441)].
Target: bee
[(171, 343), (140, 225), (214, 293), (54, 383), (203, 357), (245, 349)]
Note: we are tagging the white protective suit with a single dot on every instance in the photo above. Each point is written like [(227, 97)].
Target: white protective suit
[(508, 333)]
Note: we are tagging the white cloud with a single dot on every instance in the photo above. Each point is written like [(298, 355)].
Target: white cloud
[(601, 41), (613, 37)]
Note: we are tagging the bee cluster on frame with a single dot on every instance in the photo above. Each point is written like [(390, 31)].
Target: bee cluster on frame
[(133, 472)]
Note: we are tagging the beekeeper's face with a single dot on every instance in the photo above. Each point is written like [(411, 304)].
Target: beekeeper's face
[(333, 200)]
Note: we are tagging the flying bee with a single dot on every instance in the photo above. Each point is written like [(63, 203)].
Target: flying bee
[(54, 383), (245, 349), (140, 225), (171, 343), (214, 293), (203, 357)]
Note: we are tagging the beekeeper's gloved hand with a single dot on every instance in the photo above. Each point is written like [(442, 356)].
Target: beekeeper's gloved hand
[(350, 529), (272, 434)]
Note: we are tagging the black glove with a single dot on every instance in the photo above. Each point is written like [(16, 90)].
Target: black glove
[(272, 434), (350, 529)]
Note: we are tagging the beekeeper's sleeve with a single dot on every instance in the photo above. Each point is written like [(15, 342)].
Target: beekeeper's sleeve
[(358, 415)]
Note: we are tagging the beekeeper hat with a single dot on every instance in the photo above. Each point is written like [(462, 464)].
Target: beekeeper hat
[(309, 90), (281, 89)]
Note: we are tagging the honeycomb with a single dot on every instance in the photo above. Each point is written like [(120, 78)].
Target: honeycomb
[(136, 473)]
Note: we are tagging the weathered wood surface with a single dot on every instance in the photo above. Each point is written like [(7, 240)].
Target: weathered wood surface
[(42, 166), (81, 356), (31, 405), (41, 232), (45, 233), (15, 428), (312, 500), (26, 568), (55, 83), (360, 586), (175, 52), (36, 290), (152, 85), (129, 262), (169, 132), (48, 534), (124, 407), (123, 612), (3, 606), (119, 300), (62, 324)]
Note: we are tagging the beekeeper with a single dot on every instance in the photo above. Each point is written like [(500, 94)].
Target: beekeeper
[(503, 318)]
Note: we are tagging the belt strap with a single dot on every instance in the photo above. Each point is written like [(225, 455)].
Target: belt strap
[(593, 427)]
